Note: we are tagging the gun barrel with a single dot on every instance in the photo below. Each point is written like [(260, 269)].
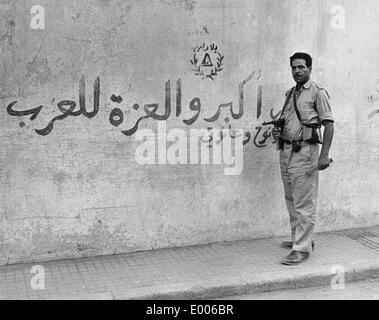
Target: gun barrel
[(276, 123)]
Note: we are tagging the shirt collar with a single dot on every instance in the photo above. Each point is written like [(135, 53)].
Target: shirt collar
[(308, 84)]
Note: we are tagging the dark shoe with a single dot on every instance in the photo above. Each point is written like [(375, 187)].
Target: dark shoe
[(289, 244), (295, 258)]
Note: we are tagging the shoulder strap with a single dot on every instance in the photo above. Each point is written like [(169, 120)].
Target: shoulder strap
[(322, 89), (287, 100), (295, 106)]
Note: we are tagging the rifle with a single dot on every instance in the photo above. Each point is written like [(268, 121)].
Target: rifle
[(277, 124)]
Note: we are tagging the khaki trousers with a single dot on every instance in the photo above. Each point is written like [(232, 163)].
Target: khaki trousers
[(300, 178)]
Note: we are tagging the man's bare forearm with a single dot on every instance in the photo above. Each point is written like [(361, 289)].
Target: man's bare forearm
[(327, 138)]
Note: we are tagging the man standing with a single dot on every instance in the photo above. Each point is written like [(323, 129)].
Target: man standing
[(306, 108)]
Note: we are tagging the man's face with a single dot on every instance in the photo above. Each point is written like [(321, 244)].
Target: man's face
[(300, 72)]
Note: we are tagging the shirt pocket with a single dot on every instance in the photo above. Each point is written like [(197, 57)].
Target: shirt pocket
[(308, 112)]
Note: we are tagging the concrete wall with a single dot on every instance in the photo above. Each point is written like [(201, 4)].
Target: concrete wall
[(77, 189)]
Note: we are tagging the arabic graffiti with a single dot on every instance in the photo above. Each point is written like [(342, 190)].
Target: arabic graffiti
[(66, 112), (222, 134), (69, 108)]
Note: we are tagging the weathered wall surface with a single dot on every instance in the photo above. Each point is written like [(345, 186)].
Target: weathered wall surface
[(74, 188)]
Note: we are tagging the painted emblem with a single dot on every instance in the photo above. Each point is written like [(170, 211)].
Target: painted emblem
[(207, 61)]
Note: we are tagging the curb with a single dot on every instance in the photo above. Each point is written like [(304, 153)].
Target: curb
[(246, 285), (93, 296)]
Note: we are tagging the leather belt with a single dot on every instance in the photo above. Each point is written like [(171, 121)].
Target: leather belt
[(292, 141)]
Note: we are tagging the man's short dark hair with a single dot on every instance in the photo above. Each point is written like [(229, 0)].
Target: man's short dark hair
[(304, 56)]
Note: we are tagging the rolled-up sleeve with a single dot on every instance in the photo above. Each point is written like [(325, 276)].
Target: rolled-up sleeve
[(323, 106)]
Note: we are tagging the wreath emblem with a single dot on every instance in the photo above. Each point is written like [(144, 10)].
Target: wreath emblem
[(207, 61)]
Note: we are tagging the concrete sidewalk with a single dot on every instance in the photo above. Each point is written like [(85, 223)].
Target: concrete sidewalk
[(218, 270)]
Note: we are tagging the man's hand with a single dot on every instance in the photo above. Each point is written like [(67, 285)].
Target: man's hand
[(276, 133), (324, 162)]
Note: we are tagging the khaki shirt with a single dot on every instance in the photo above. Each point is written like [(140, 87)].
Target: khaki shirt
[(314, 107)]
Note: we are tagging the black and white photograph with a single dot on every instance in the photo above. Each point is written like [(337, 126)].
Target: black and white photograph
[(189, 154)]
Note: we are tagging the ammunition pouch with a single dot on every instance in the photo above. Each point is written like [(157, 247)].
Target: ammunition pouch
[(312, 133), (296, 146)]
